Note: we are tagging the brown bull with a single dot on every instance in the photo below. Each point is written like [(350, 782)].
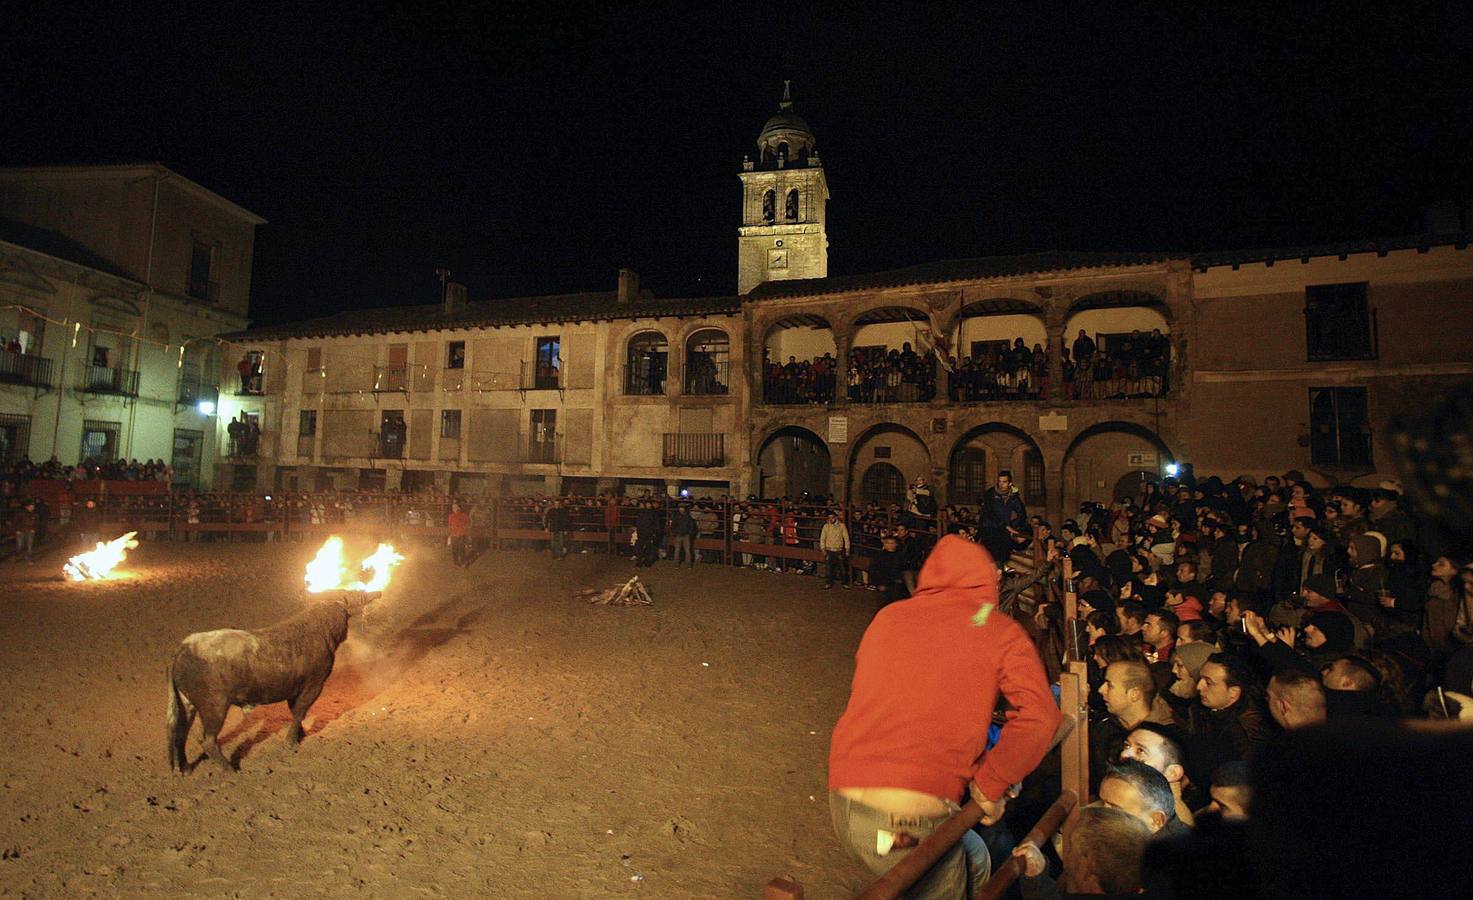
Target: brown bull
[(215, 670)]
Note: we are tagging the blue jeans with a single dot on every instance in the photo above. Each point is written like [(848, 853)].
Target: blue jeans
[(959, 874)]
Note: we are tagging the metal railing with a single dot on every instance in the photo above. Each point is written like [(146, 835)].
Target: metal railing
[(687, 449), (640, 381), (704, 378), (545, 450), (109, 380), (23, 368), (244, 447), (393, 377), (539, 377), (194, 388)]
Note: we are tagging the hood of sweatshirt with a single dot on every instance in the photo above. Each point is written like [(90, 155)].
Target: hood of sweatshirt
[(961, 571)]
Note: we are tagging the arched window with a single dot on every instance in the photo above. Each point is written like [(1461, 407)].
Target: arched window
[(968, 475), (769, 207), (782, 151), (790, 212), (883, 485), (645, 364), (708, 362)]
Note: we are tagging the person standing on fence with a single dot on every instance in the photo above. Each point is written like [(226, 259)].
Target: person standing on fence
[(458, 524), (558, 526), (834, 542), (26, 521), (683, 531), (927, 677)]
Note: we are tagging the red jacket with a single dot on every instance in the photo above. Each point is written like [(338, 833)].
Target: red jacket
[(926, 680)]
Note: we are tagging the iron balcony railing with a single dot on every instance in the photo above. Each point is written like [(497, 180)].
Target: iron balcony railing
[(706, 377), (642, 381), (23, 368), (243, 447), (393, 377), (195, 388), (703, 450), (109, 380), (546, 448), (537, 376)]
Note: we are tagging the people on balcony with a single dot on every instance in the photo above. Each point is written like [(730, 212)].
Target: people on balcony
[(1138, 366), (893, 376), (251, 370)]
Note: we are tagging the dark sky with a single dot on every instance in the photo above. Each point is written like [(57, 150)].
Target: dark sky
[(536, 150)]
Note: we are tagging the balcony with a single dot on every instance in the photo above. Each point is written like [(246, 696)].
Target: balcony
[(23, 368), (708, 378), (541, 377), (109, 380), (695, 450), (194, 388), (543, 449), (201, 289), (641, 381), (243, 446), (393, 377)]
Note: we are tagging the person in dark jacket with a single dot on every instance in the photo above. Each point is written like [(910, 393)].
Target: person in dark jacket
[(26, 521), (1257, 564), (683, 532), (1003, 507), (885, 571), (1227, 719), (558, 526), (650, 527)]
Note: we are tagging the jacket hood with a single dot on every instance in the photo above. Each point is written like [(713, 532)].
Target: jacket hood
[(958, 565), (1367, 550)]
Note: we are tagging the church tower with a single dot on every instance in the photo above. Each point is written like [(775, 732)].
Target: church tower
[(784, 200)]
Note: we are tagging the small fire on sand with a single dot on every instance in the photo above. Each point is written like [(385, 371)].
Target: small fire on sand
[(328, 572), (96, 565)]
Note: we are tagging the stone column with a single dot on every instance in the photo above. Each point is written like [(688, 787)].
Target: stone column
[(1053, 323), (843, 343)]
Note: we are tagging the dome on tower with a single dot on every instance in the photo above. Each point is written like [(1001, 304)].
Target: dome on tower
[(785, 134)]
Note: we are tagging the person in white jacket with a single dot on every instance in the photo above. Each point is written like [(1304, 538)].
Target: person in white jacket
[(834, 542)]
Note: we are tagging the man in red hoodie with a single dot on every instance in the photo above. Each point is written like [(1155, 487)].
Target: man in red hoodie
[(911, 743)]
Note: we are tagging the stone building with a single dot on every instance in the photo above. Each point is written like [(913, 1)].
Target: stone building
[(114, 281), (1260, 362)]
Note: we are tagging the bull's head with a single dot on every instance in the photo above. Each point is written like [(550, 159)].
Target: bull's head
[(357, 601)]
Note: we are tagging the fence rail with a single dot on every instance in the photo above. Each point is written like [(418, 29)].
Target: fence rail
[(24, 368), (695, 450), (109, 380)]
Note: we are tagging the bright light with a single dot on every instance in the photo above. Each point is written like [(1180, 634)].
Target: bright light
[(95, 565), (328, 572), (206, 408), (1172, 470)]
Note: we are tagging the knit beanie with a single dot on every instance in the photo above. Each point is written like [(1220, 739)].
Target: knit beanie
[(1338, 630)]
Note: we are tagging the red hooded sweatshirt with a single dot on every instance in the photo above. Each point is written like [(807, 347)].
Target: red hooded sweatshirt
[(926, 680)]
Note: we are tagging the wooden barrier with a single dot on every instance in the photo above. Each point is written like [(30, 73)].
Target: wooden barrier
[(1051, 821)]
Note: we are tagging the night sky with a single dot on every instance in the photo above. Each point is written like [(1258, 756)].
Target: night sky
[(534, 151)]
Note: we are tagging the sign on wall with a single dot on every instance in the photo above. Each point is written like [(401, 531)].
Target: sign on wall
[(1053, 422), (838, 429), (1141, 459)]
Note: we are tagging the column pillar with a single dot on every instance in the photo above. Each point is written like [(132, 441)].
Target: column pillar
[(1054, 324), (843, 343)]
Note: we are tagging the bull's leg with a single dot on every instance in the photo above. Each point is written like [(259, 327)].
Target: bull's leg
[(299, 705), (212, 719)]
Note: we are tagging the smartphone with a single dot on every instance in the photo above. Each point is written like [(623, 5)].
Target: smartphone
[(1243, 622)]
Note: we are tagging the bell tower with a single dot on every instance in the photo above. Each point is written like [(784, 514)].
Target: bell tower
[(784, 204)]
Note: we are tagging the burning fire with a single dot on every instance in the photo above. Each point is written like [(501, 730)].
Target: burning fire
[(328, 572), (95, 565)]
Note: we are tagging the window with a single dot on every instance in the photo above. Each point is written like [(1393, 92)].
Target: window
[(968, 475), (542, 438), (1033, 478), (645, 366), (882, 484), (391, 434), (1337, 323), (450, 423), (314, 360), (1339, 427), (708, 362), (790, 210), (769, 207), (100, 441), (455, 355), (201, 269), (547, 363), (15, 438), (307, 423)]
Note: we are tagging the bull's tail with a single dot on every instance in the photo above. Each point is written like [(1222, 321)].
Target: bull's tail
[(177, 723)]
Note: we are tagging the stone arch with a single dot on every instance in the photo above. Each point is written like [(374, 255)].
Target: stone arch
[(791, 459), (804, 338), (906, 451), (883, 484), (646, 362), (1120, 298), (1010, 448), (1113, 447), (706, 359)]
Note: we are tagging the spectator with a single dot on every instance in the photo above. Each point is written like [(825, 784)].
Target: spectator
[(458, 524), (1388, 517), (1002, 507), (1227, 713), (1232, 790), (1160, 747), (834, 542), (1296, 699), (683, 532), (558, 525), (26, 522), (1103, 848), (1135, 788)]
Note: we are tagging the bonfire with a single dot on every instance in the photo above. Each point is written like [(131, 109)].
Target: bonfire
[(630, 593), (96, 565), (328, 571)]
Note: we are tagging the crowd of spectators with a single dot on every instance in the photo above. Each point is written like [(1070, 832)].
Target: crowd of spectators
[(16, 477), (1135, 366)]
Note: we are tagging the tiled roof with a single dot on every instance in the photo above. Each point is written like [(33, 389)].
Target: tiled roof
[(956, 270), (1210, 259), (58, 245), (551, 309)]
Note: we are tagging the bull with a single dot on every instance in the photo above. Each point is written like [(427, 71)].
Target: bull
[(289, 661)]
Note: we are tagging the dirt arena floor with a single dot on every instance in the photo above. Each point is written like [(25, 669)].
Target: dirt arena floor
[(484, 733)]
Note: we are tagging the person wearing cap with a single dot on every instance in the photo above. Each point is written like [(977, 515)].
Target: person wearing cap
[(908, 748)]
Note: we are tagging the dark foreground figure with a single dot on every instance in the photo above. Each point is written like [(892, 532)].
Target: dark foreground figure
[(289, 661)]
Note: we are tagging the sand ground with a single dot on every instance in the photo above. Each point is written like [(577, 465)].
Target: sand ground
[(484, 733)]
